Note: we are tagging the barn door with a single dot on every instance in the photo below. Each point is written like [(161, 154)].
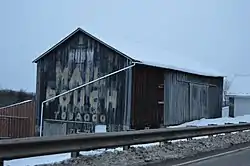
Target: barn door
[(198, 101), (160, 104)]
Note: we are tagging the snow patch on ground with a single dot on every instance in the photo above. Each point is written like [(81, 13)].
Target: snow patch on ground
[(218, 121), (31, 161)]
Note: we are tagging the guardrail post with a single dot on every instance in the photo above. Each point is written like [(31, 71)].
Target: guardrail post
[(241, 122), (228, 123), (76, 153), (1, 162), (73, 155), (165, 143), (127, 146), (190, 138), (212, 124)]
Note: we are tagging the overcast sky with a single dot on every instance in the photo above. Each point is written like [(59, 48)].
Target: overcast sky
[(214, 32)]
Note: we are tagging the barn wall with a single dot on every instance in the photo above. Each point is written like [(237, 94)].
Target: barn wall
[(241, 106), (185, 97), (79, 60), (189, 97), (146, 93)]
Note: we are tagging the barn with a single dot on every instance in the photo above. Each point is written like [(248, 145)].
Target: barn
[(132, 95), (239, 96)]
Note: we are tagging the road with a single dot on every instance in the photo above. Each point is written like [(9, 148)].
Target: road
[(240, 158), (238, 155)]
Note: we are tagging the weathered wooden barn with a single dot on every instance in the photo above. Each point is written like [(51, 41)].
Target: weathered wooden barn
[(142, 96)]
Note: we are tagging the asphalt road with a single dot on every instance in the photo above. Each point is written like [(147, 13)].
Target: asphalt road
[(241, 158), (238, 155)]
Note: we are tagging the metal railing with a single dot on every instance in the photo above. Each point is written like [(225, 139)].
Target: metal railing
[(36, 146), (15, 104)]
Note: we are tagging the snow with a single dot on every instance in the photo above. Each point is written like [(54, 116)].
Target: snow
[(102, 128), (165, 59), (31, 161), (239, 95), (218, 121), (179, 65), (160, 57)]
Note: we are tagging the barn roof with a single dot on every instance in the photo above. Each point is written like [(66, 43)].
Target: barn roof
[(72, 34), (139, 55)]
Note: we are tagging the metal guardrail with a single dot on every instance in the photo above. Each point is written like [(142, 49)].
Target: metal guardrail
[(37, 146)]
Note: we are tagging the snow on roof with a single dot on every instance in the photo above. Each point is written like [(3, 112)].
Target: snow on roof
[(165, 59), (149, 56), (240, 86), (238, 95), (188, 67)]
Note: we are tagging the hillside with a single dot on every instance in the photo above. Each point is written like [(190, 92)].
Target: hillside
[(8, 97)]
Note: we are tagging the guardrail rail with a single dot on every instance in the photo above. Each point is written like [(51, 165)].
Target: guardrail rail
[(38, 146)]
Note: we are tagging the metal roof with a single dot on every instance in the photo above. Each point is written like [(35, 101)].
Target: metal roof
[(173, 66), (86, 33)]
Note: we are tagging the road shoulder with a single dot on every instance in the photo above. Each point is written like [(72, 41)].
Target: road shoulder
[(197, 157)]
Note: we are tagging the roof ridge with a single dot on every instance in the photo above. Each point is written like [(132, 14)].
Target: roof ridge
[(79, 29)]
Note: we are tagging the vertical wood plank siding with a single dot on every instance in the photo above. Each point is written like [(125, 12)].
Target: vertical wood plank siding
[(186, 97), (18, 120), (189, 97), (79, 60), (146, 112)]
